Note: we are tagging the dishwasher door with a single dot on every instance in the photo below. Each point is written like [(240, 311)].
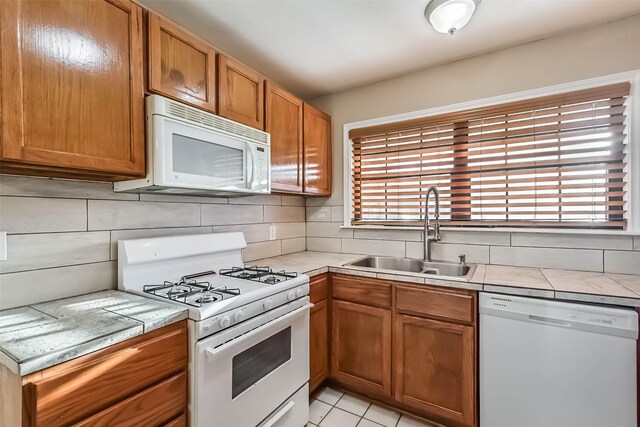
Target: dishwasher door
[(554, 364)]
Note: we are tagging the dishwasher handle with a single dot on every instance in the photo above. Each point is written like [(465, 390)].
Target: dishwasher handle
[(550, 321)]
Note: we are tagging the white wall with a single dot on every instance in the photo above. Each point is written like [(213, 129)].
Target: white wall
[(596, 51)]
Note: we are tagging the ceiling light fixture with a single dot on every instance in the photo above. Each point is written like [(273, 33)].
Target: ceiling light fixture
[(448, 16)]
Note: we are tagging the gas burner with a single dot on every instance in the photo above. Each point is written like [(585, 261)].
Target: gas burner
[(206, 298), (258, 274), (190, 291)]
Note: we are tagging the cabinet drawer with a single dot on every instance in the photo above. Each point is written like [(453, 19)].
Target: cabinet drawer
[(362, 290), (457, 306), (319, 288), (72, 391), (156, 406)]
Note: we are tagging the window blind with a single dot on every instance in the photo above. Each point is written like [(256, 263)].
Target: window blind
[(554, 161)]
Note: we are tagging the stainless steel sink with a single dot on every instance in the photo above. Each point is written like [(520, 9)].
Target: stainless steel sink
[(410, 265)]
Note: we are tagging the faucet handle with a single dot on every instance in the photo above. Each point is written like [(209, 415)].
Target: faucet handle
[(463, 258)]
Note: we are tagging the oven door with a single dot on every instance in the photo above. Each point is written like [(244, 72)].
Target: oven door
[(188, 156), (242, 381)]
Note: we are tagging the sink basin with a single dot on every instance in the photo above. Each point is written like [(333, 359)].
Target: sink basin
[(410, 265)]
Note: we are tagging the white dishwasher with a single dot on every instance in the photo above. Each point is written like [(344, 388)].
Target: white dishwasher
[(556, 364)]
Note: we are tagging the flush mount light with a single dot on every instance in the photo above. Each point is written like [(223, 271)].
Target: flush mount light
[(448, 16)]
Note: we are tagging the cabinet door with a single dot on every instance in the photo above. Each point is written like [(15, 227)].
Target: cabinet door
[(434, 368), (361, 347), (72, 88), (284, 123), (240, 93), (181, 66), (317, 152), (318, 342)]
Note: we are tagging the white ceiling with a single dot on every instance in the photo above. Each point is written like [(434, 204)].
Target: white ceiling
[(314, 47)]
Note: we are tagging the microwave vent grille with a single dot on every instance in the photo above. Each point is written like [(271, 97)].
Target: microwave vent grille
[(216, 122)]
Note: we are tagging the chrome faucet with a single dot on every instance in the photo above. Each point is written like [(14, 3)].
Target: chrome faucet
[(435, 237)]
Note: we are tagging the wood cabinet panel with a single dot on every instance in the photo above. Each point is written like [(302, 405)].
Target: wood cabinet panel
[(361, 347), (181, 421), (181, 66), (284, 123), (318, 344), (363, 290), (240, 93), (72, 88), (154, 406), (434, 368), (317, 152), (449, 304), (319, 288), (70, 392)]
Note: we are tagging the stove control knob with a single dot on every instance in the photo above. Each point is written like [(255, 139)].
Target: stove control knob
[(225, 322), (268, 304), (291, 295), (299, 293), (238, 316)]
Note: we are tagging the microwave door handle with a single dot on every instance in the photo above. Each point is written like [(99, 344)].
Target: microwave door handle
[(250, 167)]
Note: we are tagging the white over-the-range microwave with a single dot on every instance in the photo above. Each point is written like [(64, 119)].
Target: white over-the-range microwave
[(193, 152)]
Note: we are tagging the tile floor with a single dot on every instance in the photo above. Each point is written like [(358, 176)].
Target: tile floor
[(332, 408)]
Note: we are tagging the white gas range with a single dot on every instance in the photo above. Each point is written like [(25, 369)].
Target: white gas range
[(248, 326)]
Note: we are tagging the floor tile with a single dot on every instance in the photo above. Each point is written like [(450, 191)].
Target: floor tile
[(411, 422), (353, 404), (317, 411), (366, 423), (339, 418), (380, 415), (329, 395)]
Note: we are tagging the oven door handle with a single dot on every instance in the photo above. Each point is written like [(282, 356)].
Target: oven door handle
[(213, 352), (281, 413)]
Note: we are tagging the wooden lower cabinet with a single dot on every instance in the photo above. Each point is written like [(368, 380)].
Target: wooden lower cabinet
[(318, 331), (361, 347), (141, 381), (434, 367)]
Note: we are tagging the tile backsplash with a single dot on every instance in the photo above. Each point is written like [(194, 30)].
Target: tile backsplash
[(62, 234), (587, 252)]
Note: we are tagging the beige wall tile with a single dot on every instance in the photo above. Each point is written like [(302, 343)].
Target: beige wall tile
[(144, 233), (337, 214), (283, 213), (293, 201), (262, 199), (47, 187), (31, 287), (252, 232), (335, 200), (319, 213), (290, 246), (573, 241), (35, 251), (328, 229), (625, 262), (231, 214), (576, 259), (42, 215), (175, 198), (450, 252), (259, 250), (476, 237), (114, 215), (636, 243), (289, 230), (323, 244), (373, 247), (406, 235)]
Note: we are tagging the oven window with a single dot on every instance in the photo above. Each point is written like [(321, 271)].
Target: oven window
[(197, 157), (257, 362)]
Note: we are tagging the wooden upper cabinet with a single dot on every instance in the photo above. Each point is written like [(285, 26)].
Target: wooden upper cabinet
[(317, 152), (361, 347), (72, 88), (181, 66), (435, 368), (284, 123), (240, 93)]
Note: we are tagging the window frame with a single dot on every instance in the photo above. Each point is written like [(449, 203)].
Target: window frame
[(633, 152)]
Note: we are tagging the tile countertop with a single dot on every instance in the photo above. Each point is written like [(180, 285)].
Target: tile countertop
[(43, 335), (603, 288)]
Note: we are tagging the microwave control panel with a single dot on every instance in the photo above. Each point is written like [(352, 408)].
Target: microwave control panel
[(262, 166)]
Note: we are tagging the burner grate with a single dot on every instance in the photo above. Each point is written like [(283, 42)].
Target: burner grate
[(188, 286), (259, 274)]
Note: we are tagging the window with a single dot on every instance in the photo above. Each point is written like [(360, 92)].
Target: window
[(554, 161)]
